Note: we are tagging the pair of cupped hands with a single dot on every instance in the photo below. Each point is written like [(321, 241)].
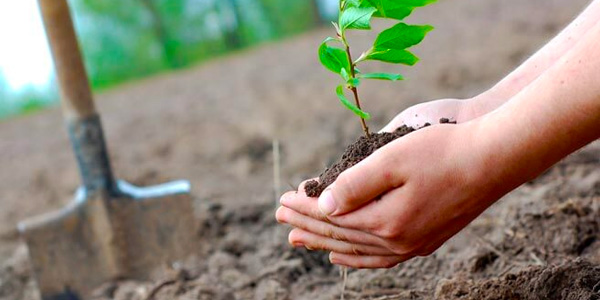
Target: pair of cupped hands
[(406, 199)]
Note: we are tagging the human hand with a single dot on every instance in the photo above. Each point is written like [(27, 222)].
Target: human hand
[(405, 200), (431, 183), (456, 110)]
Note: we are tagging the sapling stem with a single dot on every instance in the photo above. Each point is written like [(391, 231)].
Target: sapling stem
[(354, 90)]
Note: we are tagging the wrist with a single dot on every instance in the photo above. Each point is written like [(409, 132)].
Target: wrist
[(490, 170), (514, 146)]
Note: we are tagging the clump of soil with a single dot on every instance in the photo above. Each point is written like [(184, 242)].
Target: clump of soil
[(354, 153)]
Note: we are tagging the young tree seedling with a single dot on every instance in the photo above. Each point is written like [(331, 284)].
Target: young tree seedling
[(389, 46)]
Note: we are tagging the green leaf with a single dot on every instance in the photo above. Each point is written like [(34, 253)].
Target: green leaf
[(413, 3), (330, 39), (393, 56), (402, 36), (353, 3), (334, 59), (418, 3), (398, 12), (382, 76), (345, 75), (354, 82), (356, 18), (396, 9), (349, 105)]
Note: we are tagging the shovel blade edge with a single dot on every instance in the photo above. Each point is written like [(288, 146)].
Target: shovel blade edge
[(102, 238)]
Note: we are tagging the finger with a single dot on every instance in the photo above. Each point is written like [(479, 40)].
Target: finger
[(317, 242), (303, 204), (300, 192), (415, 117), (367, 262), (429, 113), (362, 183), (291, 217), (371, 218), (367, 219), (394, 124), (303, 185)]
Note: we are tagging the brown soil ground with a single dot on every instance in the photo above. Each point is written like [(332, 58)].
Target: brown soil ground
[(214, 125)]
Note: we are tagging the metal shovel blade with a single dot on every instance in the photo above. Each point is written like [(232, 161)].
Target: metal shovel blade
[(98, 238)]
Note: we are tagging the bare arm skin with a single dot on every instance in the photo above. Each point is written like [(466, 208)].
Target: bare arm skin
[(432, 183), (542, 60), (531, 69)]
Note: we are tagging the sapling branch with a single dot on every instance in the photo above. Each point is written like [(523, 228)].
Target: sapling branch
[(390, 45), (354, 89)]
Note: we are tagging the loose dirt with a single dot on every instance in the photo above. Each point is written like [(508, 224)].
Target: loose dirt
[(354, 153), (214, 125)]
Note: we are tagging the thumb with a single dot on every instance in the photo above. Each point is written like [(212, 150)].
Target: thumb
[(361, 184)]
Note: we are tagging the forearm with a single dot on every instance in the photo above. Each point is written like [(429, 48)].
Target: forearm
[(555, 115), (541, 61)]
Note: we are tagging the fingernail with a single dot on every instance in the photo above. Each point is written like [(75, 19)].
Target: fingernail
[(327, 204), (298, 245), (332, 258)]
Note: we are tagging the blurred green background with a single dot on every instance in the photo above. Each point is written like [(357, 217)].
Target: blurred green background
[(126, 40)]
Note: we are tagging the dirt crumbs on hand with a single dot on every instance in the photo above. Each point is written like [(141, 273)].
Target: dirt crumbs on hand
[(354, 153)]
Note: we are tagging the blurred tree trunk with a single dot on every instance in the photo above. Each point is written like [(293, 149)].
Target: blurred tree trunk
[(233, 34), (160, 30), (314, 5), (274, 25)]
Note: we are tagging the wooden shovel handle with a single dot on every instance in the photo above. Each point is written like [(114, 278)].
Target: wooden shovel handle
[(76, 95)]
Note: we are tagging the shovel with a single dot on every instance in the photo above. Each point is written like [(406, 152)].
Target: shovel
[(112, 229)]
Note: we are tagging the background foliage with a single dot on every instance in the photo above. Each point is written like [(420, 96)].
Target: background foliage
[(124, 40)]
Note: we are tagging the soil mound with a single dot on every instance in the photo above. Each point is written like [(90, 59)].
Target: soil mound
[(354, 153)]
